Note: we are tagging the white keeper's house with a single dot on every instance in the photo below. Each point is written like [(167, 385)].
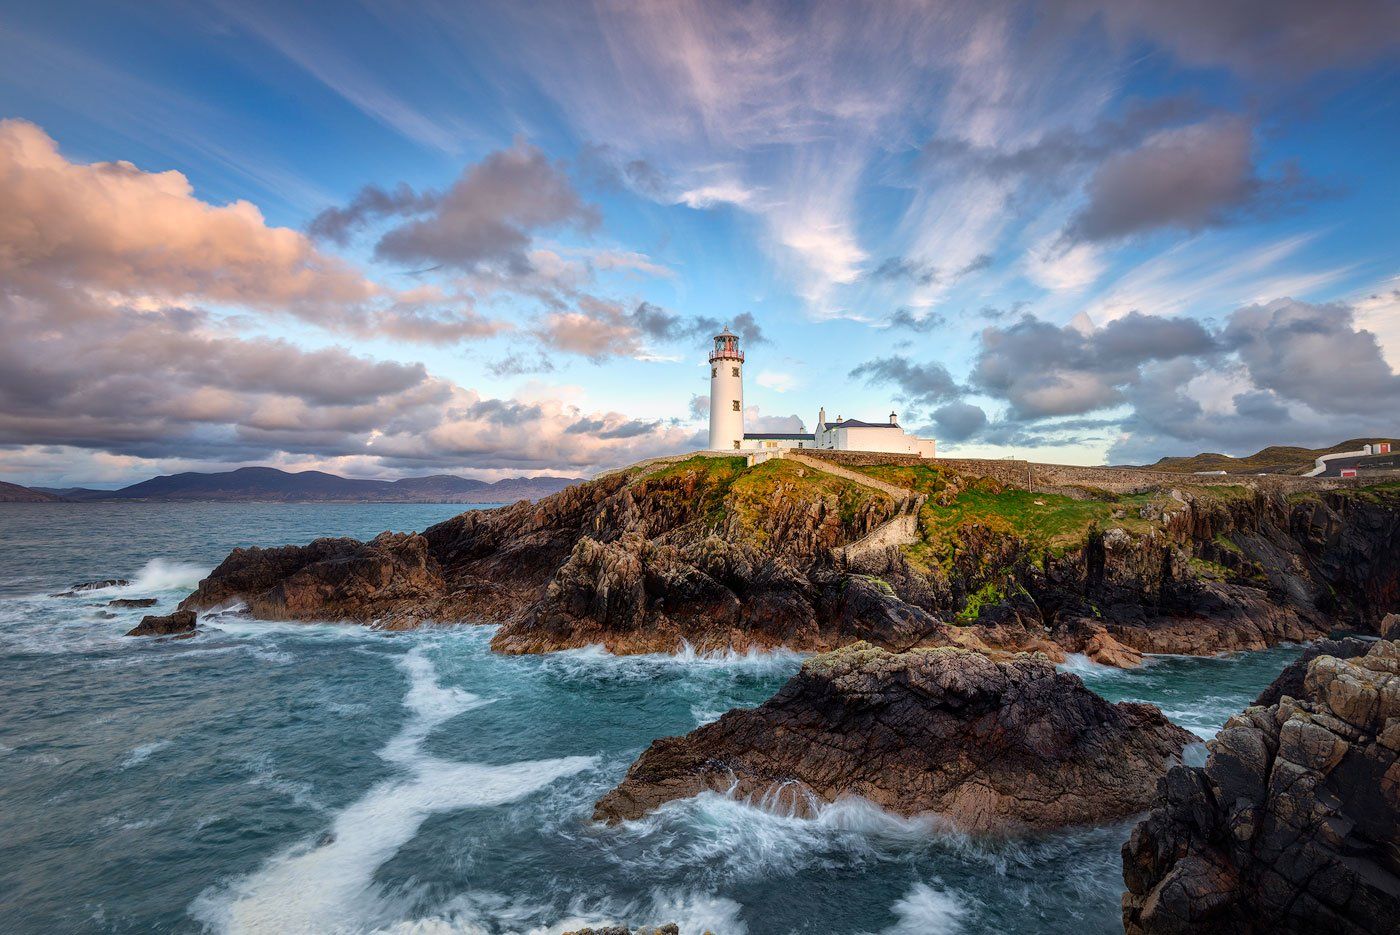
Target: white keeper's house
[(727, 418)]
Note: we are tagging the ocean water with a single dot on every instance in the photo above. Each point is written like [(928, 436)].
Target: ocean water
[(294, 778)]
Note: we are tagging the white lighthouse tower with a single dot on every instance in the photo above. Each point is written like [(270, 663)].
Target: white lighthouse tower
[(726, 393)]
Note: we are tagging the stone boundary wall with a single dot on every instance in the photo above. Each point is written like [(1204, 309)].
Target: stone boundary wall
[(1115, 480), (865, 480)]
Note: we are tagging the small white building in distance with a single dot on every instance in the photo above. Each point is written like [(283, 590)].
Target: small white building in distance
[(727, 418)]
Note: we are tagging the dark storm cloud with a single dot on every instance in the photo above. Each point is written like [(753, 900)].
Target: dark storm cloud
[(1049, 370), (957, 422), (1063, 149), (1283, 39), (1314, 354), (903, 318), (1189, 178), (371, 203), (486, 218), (919, 383)]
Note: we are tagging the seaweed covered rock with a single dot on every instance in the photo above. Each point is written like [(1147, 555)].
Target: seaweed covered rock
[(990, 746), (1292, 824)]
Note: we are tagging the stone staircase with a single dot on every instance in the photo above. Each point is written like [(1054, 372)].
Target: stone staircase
[(899, 530)]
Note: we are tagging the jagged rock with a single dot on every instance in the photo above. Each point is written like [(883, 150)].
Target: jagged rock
[(710, 554), (1389, 627), (1292, 824), (1290, 680), (132, 602), (180, 622), (392, 580), (991, 746), (92, 586)]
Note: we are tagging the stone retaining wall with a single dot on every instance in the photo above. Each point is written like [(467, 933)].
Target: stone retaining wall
[(1049, 476)]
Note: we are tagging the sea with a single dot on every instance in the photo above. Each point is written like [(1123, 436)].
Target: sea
[(267, 777)]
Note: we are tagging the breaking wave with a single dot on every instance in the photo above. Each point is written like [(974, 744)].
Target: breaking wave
[(327, 885)]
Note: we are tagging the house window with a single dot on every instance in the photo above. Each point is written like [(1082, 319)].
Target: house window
[(736, 445), (734, 370), (735, 404), (714, 371)]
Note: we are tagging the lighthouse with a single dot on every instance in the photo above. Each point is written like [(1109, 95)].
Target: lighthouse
[(726, 393)]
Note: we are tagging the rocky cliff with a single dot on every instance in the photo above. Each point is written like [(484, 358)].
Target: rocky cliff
[(1293, 824), (989, 746), (712, 553)]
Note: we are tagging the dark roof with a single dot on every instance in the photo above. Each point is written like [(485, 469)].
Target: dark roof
[(857, 424), (762, 435)]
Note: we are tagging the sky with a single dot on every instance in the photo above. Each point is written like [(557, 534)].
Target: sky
[(392, 239)]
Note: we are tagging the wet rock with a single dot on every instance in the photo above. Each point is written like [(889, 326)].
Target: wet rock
[(133, 602), (1292, 824), (1290, 680), (720, 558), (1389, 627), (180, 622), (392, 581), (990, 746), (92, 586)]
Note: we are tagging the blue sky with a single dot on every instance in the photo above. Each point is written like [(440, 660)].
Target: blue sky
[(491, 238)]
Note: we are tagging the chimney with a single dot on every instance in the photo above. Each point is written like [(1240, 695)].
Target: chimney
[(894, 419)]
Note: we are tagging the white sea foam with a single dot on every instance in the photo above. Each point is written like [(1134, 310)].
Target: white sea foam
[(480, 913), (928, 911), (1086, 668), (327, 886), (141, 754), (161, 574), (593, 662)]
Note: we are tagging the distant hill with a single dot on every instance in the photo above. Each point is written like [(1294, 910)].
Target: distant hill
[(262, 484), (14, 493), (1276, 459)]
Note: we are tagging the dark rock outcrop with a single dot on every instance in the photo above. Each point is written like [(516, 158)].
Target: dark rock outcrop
[(1293, 824), (132, 602), (92, 586), (990, 746), (708, 553), (1290, 681), (178, 623)]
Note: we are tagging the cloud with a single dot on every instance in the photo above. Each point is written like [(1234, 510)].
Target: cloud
[(958, 421), (485, 218), (112, 226), (700, 407), (599, 329), (920, 324), (1283, 372), (755, 421), (1316, 355), (517, 364), (1187, 178), (371, 203), (1048, 370), (174, 385), (489, 214), (920, 383), (1282, 39)]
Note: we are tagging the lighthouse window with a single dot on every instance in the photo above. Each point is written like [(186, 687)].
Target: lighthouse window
[(735, 404), (734, 370), (714, 371)]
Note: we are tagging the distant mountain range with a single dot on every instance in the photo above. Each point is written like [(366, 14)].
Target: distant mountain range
[(1276, 459), (261, 484)]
